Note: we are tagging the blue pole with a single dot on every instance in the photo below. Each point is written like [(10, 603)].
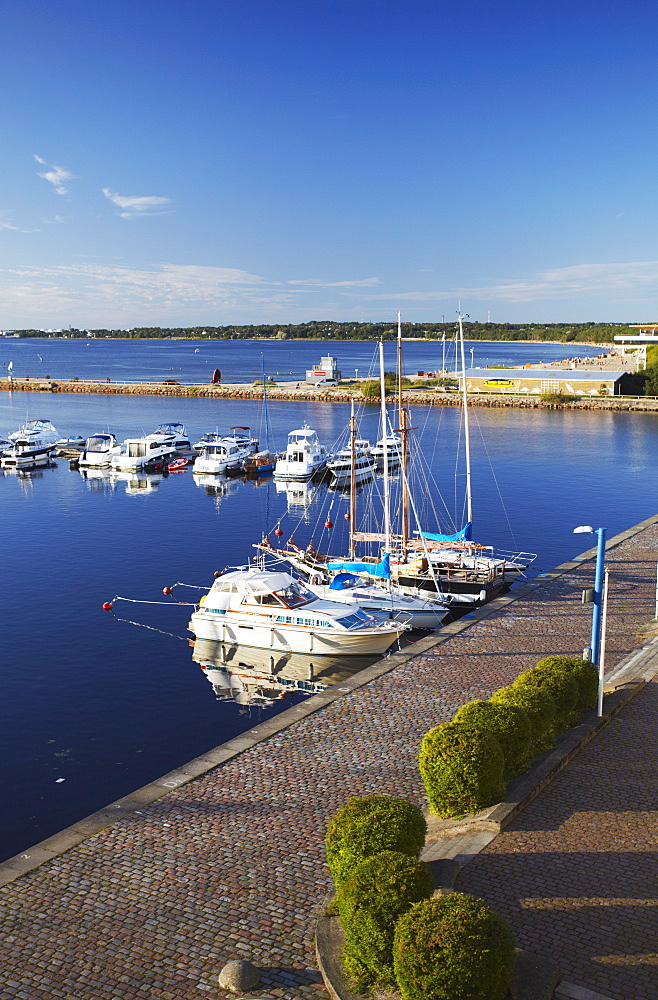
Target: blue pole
[(598, 595)]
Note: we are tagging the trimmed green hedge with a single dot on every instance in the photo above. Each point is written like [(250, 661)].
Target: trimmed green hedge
[(453, 947), (371, 899), (562, 688), (508, 723), (369, 825), (585, 674), (540, 709), (462, 769)]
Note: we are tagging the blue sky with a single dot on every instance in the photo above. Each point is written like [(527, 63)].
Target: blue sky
[(201, 162)]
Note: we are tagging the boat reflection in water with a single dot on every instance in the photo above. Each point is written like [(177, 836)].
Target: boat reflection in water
[(138, 483), (216, 486), (299, 496), (99, 479), (260, 677)]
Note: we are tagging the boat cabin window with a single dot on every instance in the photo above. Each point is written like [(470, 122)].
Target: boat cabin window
[(137, 449), (154, 444)]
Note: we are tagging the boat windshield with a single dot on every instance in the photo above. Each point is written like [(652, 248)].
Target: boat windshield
[(98, 444)]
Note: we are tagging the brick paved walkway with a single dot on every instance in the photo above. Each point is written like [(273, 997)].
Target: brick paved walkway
[(232, 863), (577, 873)]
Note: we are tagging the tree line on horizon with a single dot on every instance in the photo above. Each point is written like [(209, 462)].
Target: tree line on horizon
[(597, 333)]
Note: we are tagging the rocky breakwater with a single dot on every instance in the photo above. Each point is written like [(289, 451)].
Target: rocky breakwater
[(338, 394)]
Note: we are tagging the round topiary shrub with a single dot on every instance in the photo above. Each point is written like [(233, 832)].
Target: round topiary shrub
[(369, 825), (453, 946), (562, 688), (584, 672), (540, 709), (462, 769), (371, 899), (508, 723)]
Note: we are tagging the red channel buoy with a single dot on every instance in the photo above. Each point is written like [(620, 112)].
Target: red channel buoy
[(278, 532), (346, 516), (108, 606), (328, 524), (167, 590)]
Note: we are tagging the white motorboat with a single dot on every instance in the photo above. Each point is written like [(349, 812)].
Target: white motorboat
[(219, 456), (393, 447), (99, 451), (304, 455), (138, 452), (182, 442), (210, 437), (340, 466), (385, 603), (31, 446), (73, 443), (243, 438), (271, 610)]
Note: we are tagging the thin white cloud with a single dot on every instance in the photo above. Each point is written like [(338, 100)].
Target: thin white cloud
[(55, 175), (107, 295), (579, 280), (135, 207), (363, 283)]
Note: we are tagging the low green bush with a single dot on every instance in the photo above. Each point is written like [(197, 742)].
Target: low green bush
[(562, 688), (508, 723), (369, 825), (540, 709), (584, 673), (371, 899), (452, 947), (462, 769)]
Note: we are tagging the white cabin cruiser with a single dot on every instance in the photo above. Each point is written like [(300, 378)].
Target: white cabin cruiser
[(393, 447), (304, 455), (138, 452), (30, 446), (99, 451), (177, 431), (242, 437), (218, 457), (271, 610), (340, 466)]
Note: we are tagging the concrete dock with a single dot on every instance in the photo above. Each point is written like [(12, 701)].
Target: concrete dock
[(224, 858)]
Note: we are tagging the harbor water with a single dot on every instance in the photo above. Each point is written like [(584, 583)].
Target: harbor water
[(93, 705)]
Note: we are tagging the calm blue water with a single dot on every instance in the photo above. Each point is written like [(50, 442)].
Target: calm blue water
[(107, 705), (241, 361)]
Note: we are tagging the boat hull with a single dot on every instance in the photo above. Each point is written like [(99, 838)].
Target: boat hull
[(319, 642)]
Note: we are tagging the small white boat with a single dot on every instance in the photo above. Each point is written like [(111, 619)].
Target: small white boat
[(138, 452), (182, 442), (304, 455), (393, 448), (385, 603), (271, 610), (99, 451), (340, 466), (31, 446), (210, 437), (218, 457), (73, 443), (242, 437)]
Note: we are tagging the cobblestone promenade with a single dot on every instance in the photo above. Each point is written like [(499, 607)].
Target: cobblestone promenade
[(232, 863)]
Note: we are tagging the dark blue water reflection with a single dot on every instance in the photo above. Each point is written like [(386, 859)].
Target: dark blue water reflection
[(108, 706)]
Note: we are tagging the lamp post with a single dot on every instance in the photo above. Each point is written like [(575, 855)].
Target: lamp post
[(597, 604)]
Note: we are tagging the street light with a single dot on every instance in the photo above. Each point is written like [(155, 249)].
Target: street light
[(356, 374), (597, 602)]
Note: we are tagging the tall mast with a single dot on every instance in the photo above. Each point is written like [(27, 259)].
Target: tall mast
[(387, 495), (467, 437), (352, 483), (404, 451), (267, 419)]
